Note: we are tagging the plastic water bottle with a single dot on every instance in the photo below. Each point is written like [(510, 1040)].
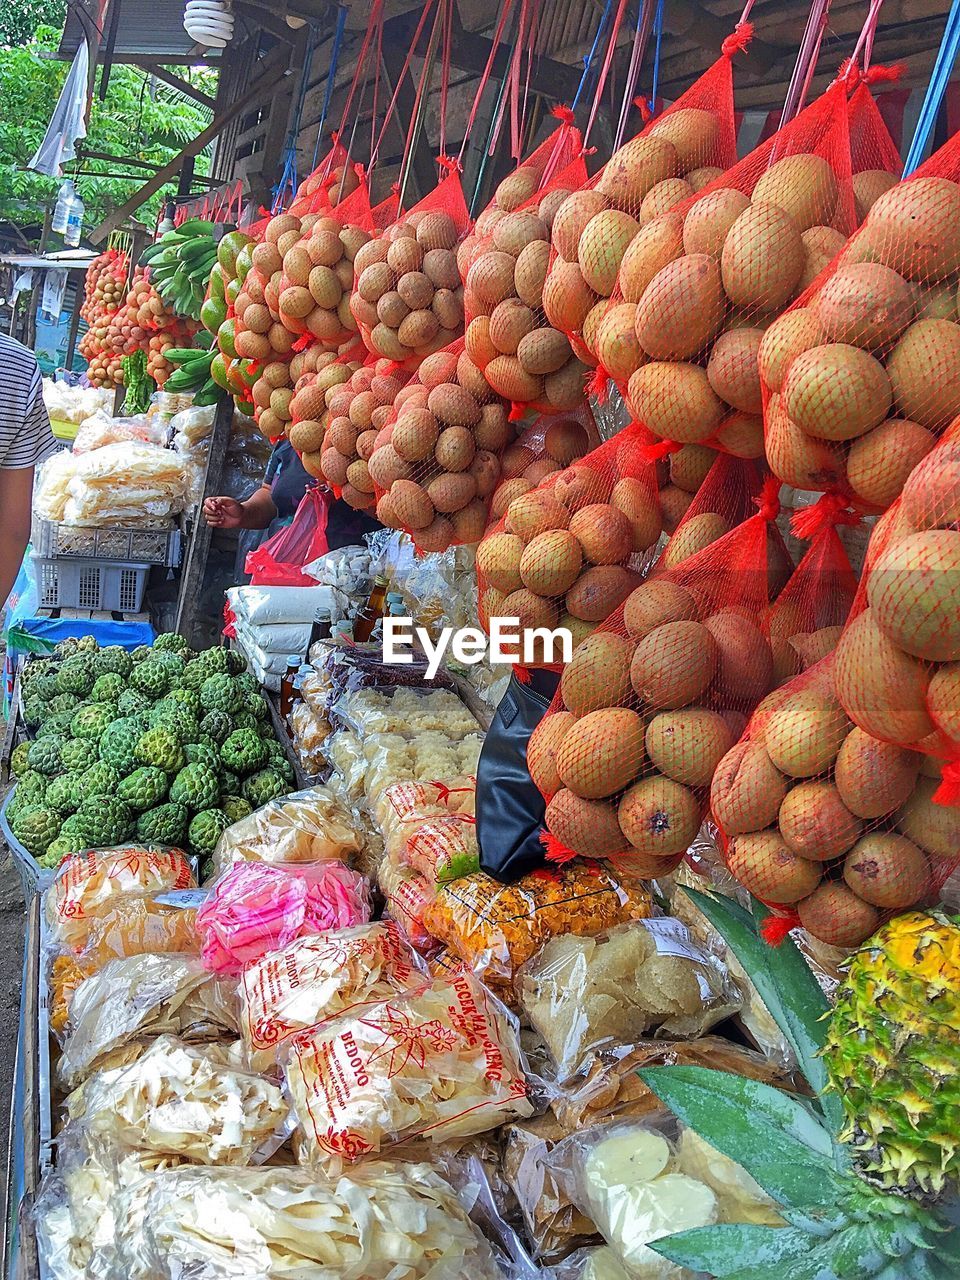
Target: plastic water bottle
[(67, 220)]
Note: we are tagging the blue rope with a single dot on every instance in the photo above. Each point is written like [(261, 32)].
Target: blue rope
[(288, 178), (331, 77), (588, 60), (658, 32), (946, 57)]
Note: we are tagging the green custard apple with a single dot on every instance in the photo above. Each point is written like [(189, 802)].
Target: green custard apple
[(143, 789), (118, 745), (262, 786), (162, 749), (36, 829), (205, 831), (44, 755), (235, 808), (170, 642), (107, 688), (64, 793), (216, 725), (243, 751), (196, 786), (166, 824), (106, 821), (114, 660), (92, 721), (76, 675), (100, 779), (18, 759), (219, 693), (131, 701), (75, 754)]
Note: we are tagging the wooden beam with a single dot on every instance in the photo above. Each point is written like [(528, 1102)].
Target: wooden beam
[(264, 85), (198, 547), (423, 169), (145, 60), (182, 86)]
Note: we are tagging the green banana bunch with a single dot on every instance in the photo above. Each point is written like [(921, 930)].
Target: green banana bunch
[(180, 264), (193, 374)]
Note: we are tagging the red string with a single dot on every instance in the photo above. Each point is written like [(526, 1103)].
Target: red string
[(400, 78), (661, 449), (556, 852), (376, 17), (446, 162), (885, 75), (948, 792), (505, 8), (598, 385), (305, 340), (643, 106), (775, 928), (422, 89), (517, 410), (738, 39), (768, 503), (563, 114), (827, 512), (445, 70), (605, 69), (522, 674)]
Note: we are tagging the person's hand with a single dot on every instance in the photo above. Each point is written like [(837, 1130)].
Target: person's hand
[(223, 513)]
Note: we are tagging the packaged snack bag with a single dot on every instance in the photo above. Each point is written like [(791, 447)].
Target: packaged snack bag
[(441, 1062), (258, 907), (317, 979)]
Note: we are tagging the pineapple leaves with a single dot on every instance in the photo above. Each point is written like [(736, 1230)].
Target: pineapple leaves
[(775, 1137), (785, 985), (722, 1251)]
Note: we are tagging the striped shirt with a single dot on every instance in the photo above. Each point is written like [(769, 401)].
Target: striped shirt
[(25, 435)]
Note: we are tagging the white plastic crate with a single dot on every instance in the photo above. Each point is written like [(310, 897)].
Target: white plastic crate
[(140, 546), (90, 584)]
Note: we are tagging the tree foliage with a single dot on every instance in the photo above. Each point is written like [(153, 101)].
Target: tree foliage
[(19, 19), (140, 117)]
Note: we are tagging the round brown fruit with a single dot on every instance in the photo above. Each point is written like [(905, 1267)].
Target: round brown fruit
[(747, 789), (835, 915), (542, 748), (586, 827), (598, 591), (550, 563), (601, 753), (659, 816), (674, 664), (815, 822), (769, 868), (598, 674), (887, 870)]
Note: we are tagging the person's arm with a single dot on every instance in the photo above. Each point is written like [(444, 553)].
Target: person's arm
[(16, 497), (255, 512)]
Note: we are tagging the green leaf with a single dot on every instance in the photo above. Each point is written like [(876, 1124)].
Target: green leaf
[(776, 1138), (739, 1251), (786, 986)]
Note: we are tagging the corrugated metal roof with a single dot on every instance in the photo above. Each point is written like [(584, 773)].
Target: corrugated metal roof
[(145, 28)]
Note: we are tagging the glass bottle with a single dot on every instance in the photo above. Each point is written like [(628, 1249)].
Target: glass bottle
[(286, 684), (322, 628), (370, 613)]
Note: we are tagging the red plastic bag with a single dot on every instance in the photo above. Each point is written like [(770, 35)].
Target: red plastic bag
[(503, 265), (279, 560), (708, 495), (407, 298), (830, 826), (652, 701), (879, 329), (568, 552)]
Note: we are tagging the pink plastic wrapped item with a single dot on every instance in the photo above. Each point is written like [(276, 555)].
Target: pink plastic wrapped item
[(257, 908)]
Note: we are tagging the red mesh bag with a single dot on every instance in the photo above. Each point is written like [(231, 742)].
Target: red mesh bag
[(862, 374), (436, 465), (896, 662), (699, 284), (672, 157), (805, 621), (550, 443), (337, 417), (316, 281), (652, 701), (407, 298), (568, 552), (333, 179), (503, 264), (707, 496), (273, 395), (832, 827)]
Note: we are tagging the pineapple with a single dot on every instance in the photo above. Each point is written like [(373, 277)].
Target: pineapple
[(839, 1226), (893, 1052)]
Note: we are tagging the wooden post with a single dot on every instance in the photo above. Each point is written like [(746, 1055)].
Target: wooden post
[(198, 545), (74, 320)]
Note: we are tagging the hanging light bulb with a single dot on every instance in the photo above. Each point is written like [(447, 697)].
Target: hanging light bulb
[(209, 22)]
